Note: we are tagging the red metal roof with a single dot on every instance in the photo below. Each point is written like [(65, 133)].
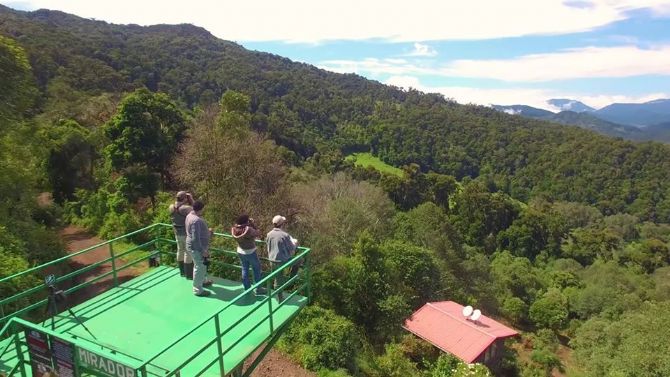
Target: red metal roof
[(443, 325)]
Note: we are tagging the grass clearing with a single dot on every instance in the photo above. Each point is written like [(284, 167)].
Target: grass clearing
[(367, 159)]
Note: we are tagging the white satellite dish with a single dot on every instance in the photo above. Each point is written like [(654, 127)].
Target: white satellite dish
[(467, 311), (476, 315)]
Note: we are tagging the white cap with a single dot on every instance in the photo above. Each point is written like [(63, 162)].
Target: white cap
[(278, 220)]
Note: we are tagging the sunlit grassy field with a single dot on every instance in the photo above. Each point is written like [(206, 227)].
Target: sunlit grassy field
[(367, 159)]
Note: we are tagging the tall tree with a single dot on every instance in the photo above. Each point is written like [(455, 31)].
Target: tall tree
[(69, 160), (234, 169), (144, 135)]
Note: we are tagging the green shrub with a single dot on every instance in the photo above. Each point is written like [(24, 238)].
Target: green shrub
[(394, 363), (320, 339), (550, 311), (450, 366)]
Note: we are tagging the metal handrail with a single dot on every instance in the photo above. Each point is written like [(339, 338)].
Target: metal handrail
[(13, 318), (56, 261), (263, 281), (112, 258)]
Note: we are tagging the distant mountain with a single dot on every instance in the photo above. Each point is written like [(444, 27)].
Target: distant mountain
[(588, 121), (572, 118), (523, 110), (637, 114), (639, 121), (570, 105)]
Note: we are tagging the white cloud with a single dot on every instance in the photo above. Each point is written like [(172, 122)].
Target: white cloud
[(374, 66), (313, 21), (512, 111), (421, 49), (518, 96), (587, 62), (405, 82)]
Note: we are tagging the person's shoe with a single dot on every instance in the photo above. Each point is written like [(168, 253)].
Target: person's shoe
[(261, 291), (182, 271), (203, 293), (208, 283), (188, 271)]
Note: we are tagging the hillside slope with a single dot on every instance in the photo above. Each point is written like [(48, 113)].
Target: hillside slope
[(309, 111)]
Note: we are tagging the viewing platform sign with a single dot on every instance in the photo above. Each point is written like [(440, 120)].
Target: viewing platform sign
[(49, 354), (62, 353), (39, 351), (102, 366)]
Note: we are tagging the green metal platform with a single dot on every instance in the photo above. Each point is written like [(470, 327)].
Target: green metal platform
[(154, 325)]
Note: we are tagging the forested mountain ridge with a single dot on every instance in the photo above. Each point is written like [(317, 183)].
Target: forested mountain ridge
[(557, 259), (310, 110)]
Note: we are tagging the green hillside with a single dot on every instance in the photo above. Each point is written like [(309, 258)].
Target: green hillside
[(309, 110), (557, 231)]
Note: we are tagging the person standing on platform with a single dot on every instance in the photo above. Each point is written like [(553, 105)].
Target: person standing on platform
[(197, 243), (245, 233), (280, 247), (178, 211)]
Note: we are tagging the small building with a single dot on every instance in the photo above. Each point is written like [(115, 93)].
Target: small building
[(446, 326)]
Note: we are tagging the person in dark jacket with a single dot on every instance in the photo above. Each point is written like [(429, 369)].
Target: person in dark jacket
[(245, 233)]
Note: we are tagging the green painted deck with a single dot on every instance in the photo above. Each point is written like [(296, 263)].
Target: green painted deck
[(9, 359), (142, 317)]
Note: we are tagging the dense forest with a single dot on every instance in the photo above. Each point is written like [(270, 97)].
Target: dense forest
[(557, 231)]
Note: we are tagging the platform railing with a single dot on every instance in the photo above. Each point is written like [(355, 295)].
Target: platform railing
[(301, 257), (35, 296), (10, 318)]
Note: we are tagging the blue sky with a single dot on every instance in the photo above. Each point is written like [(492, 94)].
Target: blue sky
[(479, 51)]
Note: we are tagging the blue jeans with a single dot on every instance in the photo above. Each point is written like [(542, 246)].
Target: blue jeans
[(199, 271), (250, 260)]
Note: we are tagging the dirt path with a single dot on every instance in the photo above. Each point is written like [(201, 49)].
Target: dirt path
[(277, 364), (274, 364), (77, 239)]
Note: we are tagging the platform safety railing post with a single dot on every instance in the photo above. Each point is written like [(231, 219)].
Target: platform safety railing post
[(308, 277), (269, 289), (114, 274), (219, 345)]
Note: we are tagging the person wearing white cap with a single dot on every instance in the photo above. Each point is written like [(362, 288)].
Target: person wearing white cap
[(281, 247), (178, 211)]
